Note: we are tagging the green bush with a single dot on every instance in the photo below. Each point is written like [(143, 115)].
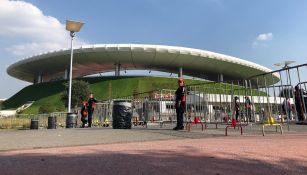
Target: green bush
[(46, 108), (79, 92)]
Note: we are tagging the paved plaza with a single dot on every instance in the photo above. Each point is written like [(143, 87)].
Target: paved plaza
[(154, 150)]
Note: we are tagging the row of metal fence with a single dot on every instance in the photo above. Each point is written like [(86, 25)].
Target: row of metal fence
[(280, 94)]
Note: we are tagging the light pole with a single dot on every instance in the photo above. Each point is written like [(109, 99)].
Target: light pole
[(284, 66), (72, 26)]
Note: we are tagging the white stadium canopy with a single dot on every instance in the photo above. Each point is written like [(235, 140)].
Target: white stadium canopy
[(99, 58)]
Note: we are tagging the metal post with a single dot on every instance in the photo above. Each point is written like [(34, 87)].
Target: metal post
[(282, 92), (275, 100), (267, 96), (252, 99), (232, 105), (259, 101), (302, 95), (72, 34), (240, 106)]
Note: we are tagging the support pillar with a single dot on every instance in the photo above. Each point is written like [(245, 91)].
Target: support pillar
[(117, 70), (180, 72), (66, 74), (39, 78), (220, 78)]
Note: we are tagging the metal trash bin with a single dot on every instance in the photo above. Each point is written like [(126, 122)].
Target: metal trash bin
[(71, 120), (51, 122), (34, 124), (121, 114)]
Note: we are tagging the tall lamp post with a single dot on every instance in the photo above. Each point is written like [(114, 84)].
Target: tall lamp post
[(72, 26), (284, 66)]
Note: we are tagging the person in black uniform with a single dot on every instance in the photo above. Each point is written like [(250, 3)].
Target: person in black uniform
[(180, 104), (90, 109), (237, 108)]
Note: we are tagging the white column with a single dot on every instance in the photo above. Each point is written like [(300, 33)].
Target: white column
[(39, 78), (220, 77), (66, 74)]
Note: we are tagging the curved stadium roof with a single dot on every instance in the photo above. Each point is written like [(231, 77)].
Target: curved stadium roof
[(98, 58)]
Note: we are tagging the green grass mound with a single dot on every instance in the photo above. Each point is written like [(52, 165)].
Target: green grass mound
[(49, 94)]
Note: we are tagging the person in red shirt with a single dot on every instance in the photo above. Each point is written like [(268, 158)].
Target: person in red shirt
[(84, 114)]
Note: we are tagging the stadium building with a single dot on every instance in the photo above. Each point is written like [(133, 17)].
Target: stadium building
[(101, 58)]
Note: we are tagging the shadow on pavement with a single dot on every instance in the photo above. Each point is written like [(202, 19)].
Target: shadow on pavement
[(141, 162)]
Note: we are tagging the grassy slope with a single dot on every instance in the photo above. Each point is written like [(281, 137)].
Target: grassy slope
[(50, 93)]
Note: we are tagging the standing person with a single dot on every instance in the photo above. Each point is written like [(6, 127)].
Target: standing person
[(90, 109), (299, 103), (262, 114), (248, 108), (84, 114), (286, 107), (180, 104), (237, 108)]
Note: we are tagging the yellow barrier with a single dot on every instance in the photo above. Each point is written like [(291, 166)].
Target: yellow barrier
[(271, 122)]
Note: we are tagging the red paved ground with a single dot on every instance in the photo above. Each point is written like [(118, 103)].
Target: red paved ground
[(272, 154)]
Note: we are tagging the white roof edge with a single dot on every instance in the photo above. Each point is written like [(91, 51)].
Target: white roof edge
[(169, 49)]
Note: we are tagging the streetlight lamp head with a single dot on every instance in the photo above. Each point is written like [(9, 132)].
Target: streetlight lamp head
[(284, 64), (289, 62), (73, 26)]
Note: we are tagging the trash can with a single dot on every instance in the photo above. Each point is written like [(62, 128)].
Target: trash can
[(34, 124), (121, 114), (71, 120), (51, 122)]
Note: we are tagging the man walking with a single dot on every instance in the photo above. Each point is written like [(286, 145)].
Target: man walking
[(180, 104), (90, 109)]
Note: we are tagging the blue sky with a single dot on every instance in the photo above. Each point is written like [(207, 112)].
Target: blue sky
[(261, 31)]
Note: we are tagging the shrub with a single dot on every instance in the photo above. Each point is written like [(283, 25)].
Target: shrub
[(46, 108), (79, 92)]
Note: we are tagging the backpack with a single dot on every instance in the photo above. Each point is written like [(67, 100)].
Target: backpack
[(84, 113)]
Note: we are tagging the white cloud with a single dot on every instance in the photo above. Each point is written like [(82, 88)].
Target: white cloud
[(265, 37), (261, 39), (28, 31)]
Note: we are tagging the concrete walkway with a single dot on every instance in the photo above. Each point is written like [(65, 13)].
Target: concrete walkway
[(153, 151)]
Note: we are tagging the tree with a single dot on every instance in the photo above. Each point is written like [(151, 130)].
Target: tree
[(79, 92)]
